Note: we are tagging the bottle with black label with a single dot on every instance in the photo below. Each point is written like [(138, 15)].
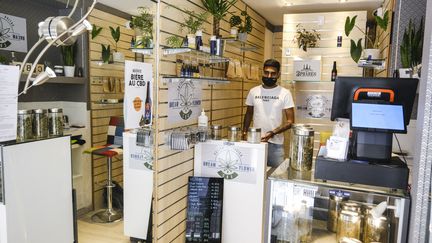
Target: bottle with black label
[(334, 72), (147, 106)]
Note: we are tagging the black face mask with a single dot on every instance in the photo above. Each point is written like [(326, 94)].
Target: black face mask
[(270, 82)]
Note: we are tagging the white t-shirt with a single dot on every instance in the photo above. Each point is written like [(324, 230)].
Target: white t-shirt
[(268, 108)]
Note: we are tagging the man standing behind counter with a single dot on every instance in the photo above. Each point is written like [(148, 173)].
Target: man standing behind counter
[(266, 105)]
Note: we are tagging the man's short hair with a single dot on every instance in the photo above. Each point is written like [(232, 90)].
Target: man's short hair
[(272, 63)]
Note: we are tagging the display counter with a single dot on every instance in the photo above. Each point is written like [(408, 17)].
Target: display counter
[(297, 207)]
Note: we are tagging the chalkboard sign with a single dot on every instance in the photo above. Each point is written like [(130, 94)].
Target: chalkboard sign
[(204, 210)]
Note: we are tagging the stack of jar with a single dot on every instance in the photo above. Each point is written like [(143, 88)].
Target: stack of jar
[(353, 222), (39, 124), (234, 134)]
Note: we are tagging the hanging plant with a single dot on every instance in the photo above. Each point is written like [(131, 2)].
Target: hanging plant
[(115, 34), (306, 38), (95, 31)]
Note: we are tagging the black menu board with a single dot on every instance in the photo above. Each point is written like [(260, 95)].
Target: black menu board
[(204, 210)]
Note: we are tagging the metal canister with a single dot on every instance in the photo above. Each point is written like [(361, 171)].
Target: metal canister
[(254, 135), (334, 208), (301, 152), (234, 134), (216, 132), (374, 229), (349, 225)]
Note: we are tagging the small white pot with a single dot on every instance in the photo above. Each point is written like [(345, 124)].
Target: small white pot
[(118, 57), (405, 72), (234, 32), (371, 54), (191, 41), (69, 71), (242, 36)]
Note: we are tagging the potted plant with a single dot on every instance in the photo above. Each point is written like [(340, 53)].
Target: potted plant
[(411, 49), (68, 54), (174, 41), (357, 49), (219, 9), (193, 24), (106, 53), (306, 38), (143, 26), (243, 27), (115, 33)]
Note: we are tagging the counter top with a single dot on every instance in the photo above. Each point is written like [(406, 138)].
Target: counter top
[(285, 173)]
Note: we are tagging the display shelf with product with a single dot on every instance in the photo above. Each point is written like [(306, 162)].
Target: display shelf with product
[(210, 80), (201, 54), (299, 210), (61, 80), (243, 46), (144, 51)]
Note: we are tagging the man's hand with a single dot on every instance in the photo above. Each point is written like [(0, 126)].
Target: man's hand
[(267, 136)]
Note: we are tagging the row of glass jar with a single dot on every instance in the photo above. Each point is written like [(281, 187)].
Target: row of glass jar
[(235, 135), (39, 124), (353, 222)]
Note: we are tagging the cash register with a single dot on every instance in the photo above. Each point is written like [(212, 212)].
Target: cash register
[(377, 108)]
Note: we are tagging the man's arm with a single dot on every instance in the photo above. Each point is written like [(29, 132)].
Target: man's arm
[(247, 120), (289, 114)]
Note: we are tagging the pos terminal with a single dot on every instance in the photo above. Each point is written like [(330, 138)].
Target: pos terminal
[(377, 108)]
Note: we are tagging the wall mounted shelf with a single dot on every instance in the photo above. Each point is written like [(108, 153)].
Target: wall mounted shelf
[(210, 80), (197, 53), (144, 51), (102, 63), (243, 46), (61, 80)]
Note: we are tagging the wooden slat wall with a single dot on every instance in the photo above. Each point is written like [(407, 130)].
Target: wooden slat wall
[(333, 26), (101, 113), (223, 104), (277, 46), (384, 38)]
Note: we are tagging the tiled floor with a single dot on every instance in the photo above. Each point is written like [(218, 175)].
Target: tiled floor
[(89, 232)]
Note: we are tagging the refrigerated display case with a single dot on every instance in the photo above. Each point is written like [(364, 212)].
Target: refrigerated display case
[(297, 209)]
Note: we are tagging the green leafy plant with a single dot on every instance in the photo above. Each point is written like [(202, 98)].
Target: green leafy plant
[(174, 41), (194, 21), (411, 48), (244, 26), (357, 49), (219, 9), (106, 53), (95, 31), (143, 22), (68, 54), (3, 60), (115, 33), (306, 38)]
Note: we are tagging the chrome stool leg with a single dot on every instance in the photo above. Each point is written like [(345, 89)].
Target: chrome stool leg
[(109, 214)]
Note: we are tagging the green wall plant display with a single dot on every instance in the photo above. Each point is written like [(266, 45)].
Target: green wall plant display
[(356, 49), (219, 9), (95, 31), (115, 34), (411, 48), (306, 38), (106, 53)]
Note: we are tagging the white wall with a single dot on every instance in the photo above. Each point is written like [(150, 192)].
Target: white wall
[(268, 44)]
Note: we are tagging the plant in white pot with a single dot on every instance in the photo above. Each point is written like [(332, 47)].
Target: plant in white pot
[(411, 50), (68, 54), (143, 26), (193, 23), (356, 50), (115, 33), (242, 26)]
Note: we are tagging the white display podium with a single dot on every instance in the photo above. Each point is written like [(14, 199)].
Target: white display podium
[(137, 187), (243, 165)]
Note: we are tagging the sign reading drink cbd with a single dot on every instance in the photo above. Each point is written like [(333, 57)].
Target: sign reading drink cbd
[(307, 70), (13, 33)]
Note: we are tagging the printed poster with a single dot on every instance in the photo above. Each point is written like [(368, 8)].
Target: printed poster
[(184, 100), (141, 158), (9, 80), (136, 105), (307, 70), (230, 162), (13, 33), (316, 105)]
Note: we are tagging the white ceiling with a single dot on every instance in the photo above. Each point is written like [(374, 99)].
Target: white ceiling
[(273, 10), (128, 6)]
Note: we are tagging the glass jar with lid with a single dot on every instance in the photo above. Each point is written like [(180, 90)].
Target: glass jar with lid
[(301, 152), (254, 135), (234, 134), (55, 122), (40, 123), (349, 225), (216, 132), (334, 208), (374, 229), (24, 125)]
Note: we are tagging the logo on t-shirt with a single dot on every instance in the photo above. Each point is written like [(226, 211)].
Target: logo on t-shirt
[(266, 98)]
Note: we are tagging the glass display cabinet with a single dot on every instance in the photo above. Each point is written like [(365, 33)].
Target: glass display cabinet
[(302, 209)]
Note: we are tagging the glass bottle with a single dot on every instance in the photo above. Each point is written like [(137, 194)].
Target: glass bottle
[(334, 72), (55, 122)]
